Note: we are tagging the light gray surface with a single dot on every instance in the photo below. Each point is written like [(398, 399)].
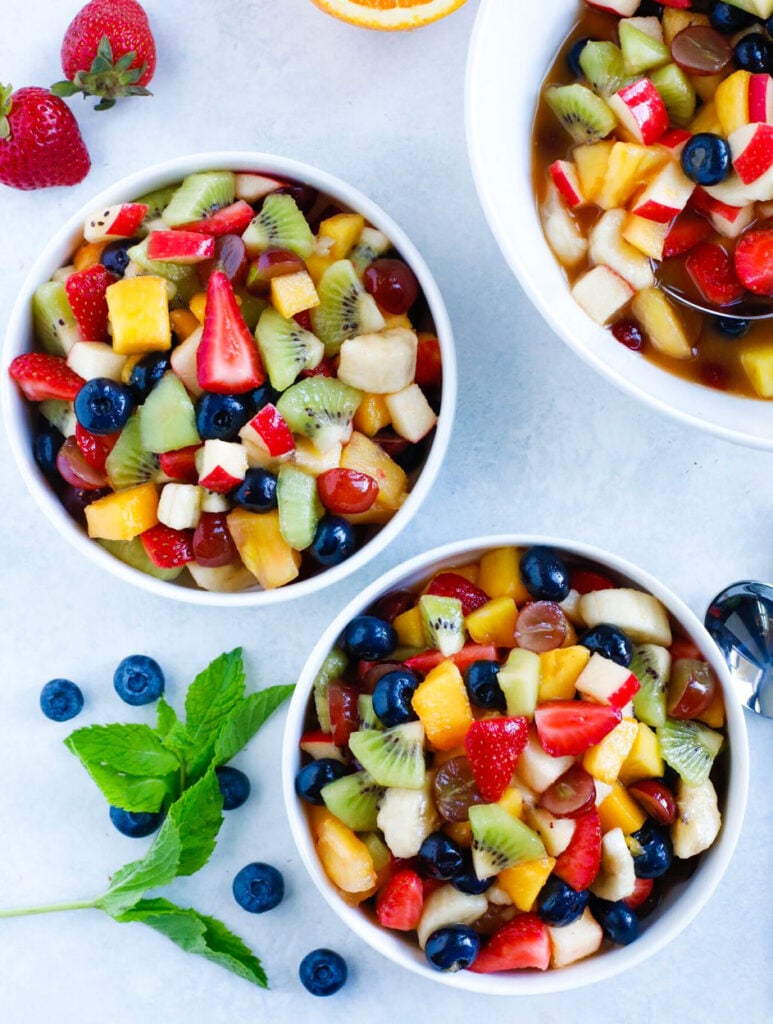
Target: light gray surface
[(541, 444)]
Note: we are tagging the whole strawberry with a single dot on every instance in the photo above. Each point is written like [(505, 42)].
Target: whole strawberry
[(40, 142), (108, 51)]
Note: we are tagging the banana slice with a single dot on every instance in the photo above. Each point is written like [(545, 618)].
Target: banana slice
[(447, 905), (698, 821)]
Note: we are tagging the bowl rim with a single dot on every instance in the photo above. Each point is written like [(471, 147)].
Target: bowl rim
[(59, 247), (670, 921)]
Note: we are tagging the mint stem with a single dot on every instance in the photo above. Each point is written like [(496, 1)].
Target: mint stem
[(51, 908)]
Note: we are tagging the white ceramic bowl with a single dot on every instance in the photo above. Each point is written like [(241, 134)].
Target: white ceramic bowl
[(679, 905), (512, 48), (19, 413)]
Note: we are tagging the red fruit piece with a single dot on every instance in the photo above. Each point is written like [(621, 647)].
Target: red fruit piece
[(427, 660), (656, 799), (452, 584), (86, 294), (585, 581), (76, 470), (429, 365), (95, 447), (570, 727), (629, 333), (41, 376), (641, 892), (180, 246), (688, 230), (180, 465), (754, 261), (273, 430), (168, 548), (493, 746), (343, 707), (230, 220), (230, 257), (400, 903), (326, 367), (227, 360), (213, 544), (541, 626), (347, 491), (522, 943), (713, 274), (318, 744), (40, 142), (681, 647), (579, 864)]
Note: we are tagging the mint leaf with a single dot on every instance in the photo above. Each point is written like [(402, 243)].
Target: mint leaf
[(199, 934), (133, 792), (158, 867), (211, 697), (135, 749), (197, 815), (245, 720), (166, 719)]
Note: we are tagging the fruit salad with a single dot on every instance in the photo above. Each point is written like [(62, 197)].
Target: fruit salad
[(653, 166), (513, 762), (236, 381)]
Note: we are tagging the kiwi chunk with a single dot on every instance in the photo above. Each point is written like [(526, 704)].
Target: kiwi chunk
[(280, 224), (443, 622), (60, 414), (371, 244), (334, 666), (651, 664), (167, 417), (499, 840), (689, 747), (368, 717), (134, 554), (157, 201), (354, 800), (56, 328), (602, 65), (200, 195), (286, 348), (583, 114), (345, 309), (677, 92), (320, 408), (300, 508), (641, 51), (129, 463), (394, 757)]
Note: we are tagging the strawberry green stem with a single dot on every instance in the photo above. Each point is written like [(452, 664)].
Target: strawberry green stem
[(51, 908)]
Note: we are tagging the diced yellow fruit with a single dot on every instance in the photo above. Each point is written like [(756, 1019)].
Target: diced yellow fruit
[(345, 229), (620, 810), (292, 293), (443, 707), (731, 101), (372, 415), (262, 547), (646, 235), (676, 20), (499, 575), (714, 715), (198, 305), (758, 364), (87, 255), (124, 514), (706, 120), (375, 516), (460, 832), (523, 882), (363, 454), (644, 759), (443, 756), (512, 801), (571, 634), (317, 264), (317, 814), (409, 628), (310, 459), (183, 323), (591, 161), (560, 670), (705, 85), (493, 622), (128, 366), (624, 173), (605, 760), (346, 859), (138, 308), (671, 331), (469, 571), (392, 320)]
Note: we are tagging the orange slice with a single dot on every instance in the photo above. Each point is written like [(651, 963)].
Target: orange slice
[(389, 15)]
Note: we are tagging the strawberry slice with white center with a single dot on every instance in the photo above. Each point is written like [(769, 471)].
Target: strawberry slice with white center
[(227, 359), (401, 901), (522, 943), (713, 273), (230, 220), (168, 548), (452, 584), (41, 376), (121, 221), (607, 682), (641, 110), (570, 727), (185, 247), (493, 746), (754, 261), (579, 864), (86, 294)]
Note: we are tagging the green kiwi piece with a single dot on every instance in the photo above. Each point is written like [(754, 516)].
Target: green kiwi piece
[(345, 308), (157, 201), (371, 244), (602, 65), (300, 508), (354, 800), (583, 114), (167, 417), (133, 553), (280, 224), (378, 850), (641, 51), (320, 408), (499, 840), (394, 757), (443, 622), (368, 717), (689, 747), (198, 196), (129, 464), (60, 414), (333, 667), (286, 348), (55, 326), (677, 92), (251, 307), (651, 664)]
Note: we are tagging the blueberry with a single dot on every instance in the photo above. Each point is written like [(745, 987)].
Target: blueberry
[(138, 680), (656, 851), (754, 53), (467, 880), (392, 697), (440, 857), (258, 888), (369, 637), (314, 776), (706, 158), (45, 448), (135, 824), (61, 700), (732, 327), (482, 684), (769, 26), (334, 540), (452, 948), (221, 417), (729, 19), (573, 56), (257, 492), (102, 406), (610, 641), (618, 922), (649, 9), (261, 396), (323, 972), (544, 574), (115, 255), (234, 786), (559, 904), (146, 374)]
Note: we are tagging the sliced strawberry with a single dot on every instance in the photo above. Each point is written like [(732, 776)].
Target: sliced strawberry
[(86, 294), (688, 230), (579, 864), (41, 376), (325, 368), (429, 367), (344, 710), (452, 584), (400, 903), (522, 943), (713, 274), (426, 660), (231, 220), (168, 548), (567, 727), (493, 746), (95, 447), (585, 581), (180, 465), (754, 261), (641, 892), (227, 360)]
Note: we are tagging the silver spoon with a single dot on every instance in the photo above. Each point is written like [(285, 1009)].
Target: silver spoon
[(751, 307), (740, 620)]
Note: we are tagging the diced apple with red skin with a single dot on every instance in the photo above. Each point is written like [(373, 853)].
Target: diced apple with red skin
[(607, 682), (564, 175), (268, 428), (666, 195), (731, 221), (318, 744), (184, 247), (641, 111), (114, 222), (252, 187), (625, 8), (602, 293), (608, 248), (562, 232), (222, 465), (761, 98), (751, 146), (674, 140)]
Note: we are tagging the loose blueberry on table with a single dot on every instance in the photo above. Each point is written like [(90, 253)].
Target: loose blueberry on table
[(258, 887), (323, 972), (61, 700), (139, 680)]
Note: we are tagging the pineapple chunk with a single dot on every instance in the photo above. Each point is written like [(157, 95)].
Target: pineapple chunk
[(676, 20), (138, 309), (646, 235), (731, 101), (671, 331), (706, 120), (758, 364), (561, 669), (591, 160), (629, 166), (292, 293), (363, 454), (124, 514), (605, 760), (262, 547), (523, 882), (443, 707), (644, 760), (379, 363), (493, 622)]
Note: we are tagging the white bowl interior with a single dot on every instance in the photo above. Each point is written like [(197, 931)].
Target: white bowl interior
[(680, 904), (512, 47), (19, 416)]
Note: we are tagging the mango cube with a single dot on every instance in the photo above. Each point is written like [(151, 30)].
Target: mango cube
[(344, 229), (605, 760), (512, 801), (371, 415), (198, 306), (363, 454), (262, 547), (560, 670), (494, 622), (347, 861), (500, 576), (292, 293), (731, 101), (123, 514), (443, 707), (706, 120), (409, 628), (138, 309), (644, 759), (758, 364), (620, 810), (523, 881), (714, 715)]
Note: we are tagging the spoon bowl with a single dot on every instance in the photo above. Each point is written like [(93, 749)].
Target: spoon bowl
[(740, 621), (677, 285)]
